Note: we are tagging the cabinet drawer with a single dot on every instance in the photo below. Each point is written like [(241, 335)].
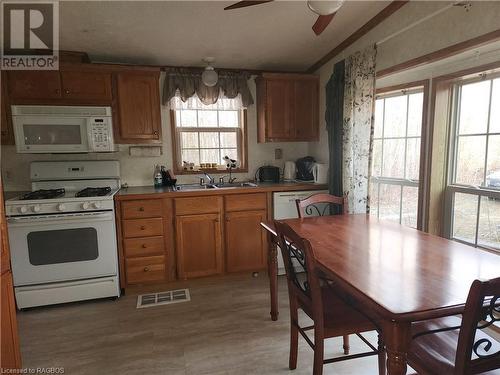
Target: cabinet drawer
[(143, 227), (141, 208), (198, 205), (243, 202), (146, 269), (144, 246)]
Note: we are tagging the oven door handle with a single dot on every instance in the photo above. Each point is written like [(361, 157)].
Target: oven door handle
[(58, 219)]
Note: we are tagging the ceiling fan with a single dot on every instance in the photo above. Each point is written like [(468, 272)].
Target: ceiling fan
[(325, 9)]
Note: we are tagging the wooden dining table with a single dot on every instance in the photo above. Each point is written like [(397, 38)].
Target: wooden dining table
[(395, 274)]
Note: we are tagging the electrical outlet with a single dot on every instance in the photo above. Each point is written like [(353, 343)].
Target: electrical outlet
[(278, 153)]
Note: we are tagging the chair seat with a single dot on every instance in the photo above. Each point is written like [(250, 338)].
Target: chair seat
[(435, 353), (339, 318)]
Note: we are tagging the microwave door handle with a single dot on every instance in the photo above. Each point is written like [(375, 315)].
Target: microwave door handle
[(90, 136)]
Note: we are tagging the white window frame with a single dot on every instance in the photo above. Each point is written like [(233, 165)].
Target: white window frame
[(453, 187)]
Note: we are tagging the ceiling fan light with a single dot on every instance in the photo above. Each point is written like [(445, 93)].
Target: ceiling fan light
[(324, 7), (209, 77)]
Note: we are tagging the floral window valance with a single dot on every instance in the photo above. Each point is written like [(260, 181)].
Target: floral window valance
[(186, 83)]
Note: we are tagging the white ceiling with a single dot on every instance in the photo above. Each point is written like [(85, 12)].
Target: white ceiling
[(273, 36)]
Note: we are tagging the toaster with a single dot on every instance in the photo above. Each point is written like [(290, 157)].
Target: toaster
[(268, 173)]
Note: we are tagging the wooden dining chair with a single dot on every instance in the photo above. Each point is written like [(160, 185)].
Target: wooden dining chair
[(457, 346), (321, 204), (332, 317)]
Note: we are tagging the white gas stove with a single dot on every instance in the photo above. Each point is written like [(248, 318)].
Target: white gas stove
[(62, 234)]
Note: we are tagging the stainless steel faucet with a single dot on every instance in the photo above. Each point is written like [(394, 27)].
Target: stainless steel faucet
[(211, 180)]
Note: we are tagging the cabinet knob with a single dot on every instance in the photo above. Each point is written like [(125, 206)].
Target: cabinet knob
[(143, 227), (146, 269), (66, 91), (141, 208), (144, 246)]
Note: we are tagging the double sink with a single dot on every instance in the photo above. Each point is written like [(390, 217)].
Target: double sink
[(225, 185)]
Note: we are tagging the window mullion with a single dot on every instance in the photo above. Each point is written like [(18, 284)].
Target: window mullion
[(478, 214), (487, 134)]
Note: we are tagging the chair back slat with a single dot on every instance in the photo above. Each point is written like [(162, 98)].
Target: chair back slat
[(478, 353), (321, 205), (303, 280)]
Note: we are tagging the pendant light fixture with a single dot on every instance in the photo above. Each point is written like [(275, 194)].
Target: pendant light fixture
[(209, 77)]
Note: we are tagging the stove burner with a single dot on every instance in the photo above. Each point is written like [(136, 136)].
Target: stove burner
[(93, 192), (44, 194)]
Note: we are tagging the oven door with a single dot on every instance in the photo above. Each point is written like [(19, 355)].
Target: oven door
[(54, 248), (53, 134)]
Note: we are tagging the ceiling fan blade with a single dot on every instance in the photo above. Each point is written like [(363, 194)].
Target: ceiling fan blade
[(243, 4), (322, 22)]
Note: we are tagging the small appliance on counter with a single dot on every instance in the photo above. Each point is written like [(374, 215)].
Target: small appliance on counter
[(289, 171), (305, 168), (268, 173), (320, 173)]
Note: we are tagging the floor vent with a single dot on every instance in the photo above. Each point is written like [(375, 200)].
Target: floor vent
[(163, 298)]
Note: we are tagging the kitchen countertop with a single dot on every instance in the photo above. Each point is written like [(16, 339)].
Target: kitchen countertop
[(138, 192)]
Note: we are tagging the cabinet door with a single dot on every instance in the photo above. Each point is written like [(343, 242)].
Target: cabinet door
[(138, 108), (199, 251), (278, 109), (31, 84), (245, 241), (90, 86), (305, 110)]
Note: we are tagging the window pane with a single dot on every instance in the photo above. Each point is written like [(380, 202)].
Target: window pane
[(474, 106), (470, 160), (228, 140), (413, 158), (374, 198), (189, 140), (393, 163), (231, 152), (389, 202), (188, 118), (489, 223), (228, 119), (379, 117), (191, 156), (377, 157), (210, 156), (395, 117), (464, 217), (209, 140), (415, 105), (410, 206), (495, 107), (207, 119), (493, 167)]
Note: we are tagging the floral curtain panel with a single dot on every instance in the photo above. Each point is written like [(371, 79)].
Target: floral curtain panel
[(186, 83), (359, 96)]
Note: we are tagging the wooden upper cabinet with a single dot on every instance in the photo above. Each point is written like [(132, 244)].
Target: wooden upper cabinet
[(287, 107), (138, 108), (31, 84), (7, 132), (81, 85)]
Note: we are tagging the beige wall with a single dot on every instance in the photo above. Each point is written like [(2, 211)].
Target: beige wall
[(138, 171), (452, 26)]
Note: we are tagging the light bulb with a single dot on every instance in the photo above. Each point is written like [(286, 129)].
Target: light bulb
[(209, 76), (323, 7)]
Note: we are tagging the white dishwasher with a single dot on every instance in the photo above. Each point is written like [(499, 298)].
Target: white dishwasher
[(285, 208)]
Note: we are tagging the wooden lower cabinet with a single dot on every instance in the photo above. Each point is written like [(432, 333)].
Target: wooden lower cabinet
[(10, 353), (199, 245), (245, 241)]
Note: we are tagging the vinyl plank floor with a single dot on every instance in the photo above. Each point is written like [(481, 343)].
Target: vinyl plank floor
[(224, 329)]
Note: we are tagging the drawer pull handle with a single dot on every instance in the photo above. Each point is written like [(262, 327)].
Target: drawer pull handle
[(143, 227), (144, 246), (146, 269), (141, 208)]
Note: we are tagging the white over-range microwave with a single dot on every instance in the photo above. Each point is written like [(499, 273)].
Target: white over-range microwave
[(62, 129)]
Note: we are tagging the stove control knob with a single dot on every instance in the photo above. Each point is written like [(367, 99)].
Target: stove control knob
[(97, 205), (85, 205), (36, 208), (61, 207), (23, 209)]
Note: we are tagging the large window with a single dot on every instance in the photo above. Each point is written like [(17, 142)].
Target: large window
[(205, 134), (394, 183), (474, 182)]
